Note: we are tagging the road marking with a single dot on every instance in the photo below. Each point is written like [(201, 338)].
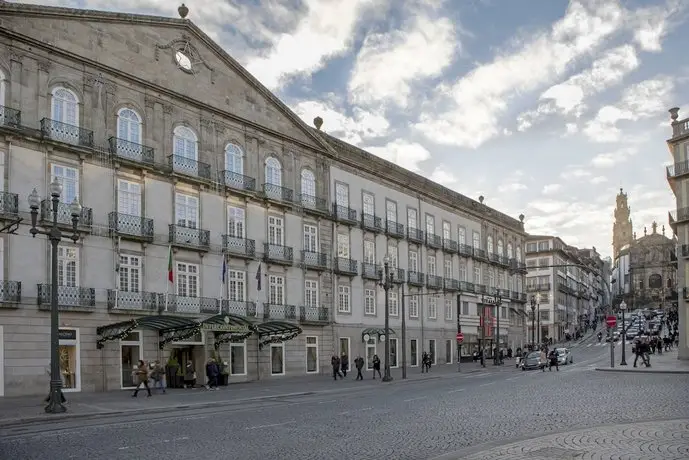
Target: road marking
[(344, 413), (486, 384), (457, 390), (366, 408), (326, 402), (163, 441), (589, 345), (271, 425), (415, 399), (513, 378)]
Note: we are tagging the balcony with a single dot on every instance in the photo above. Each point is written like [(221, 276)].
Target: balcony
[(481, 289), (371, 223), (680, 128), (131, 151), (466, 250), (522, 297), (276, 311), (684, 250), (397, 275), (450, 246), (370, 271), (10, 117), (73, 298), (314, 315), (10, 293), (189, 167), (519, 267), (344, 214), (493, 258), (126, 302), (9, 204), (504, 261), (394, 229), (278, 254), (450, 284), (416, 278), (504, 293), (238, 247), (679, 216), (480, 254), (131, 227), (69, 134), (514, 295), (415, 235), (434, 282), (239, 308), (434, 241), (189, 238), (278, 193), (344, 266), (313, 204), (64, 214), (190, 304), (238, 181), (314, 260), (466, 286)]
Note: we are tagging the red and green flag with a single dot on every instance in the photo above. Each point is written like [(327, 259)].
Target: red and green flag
[(170, 276)]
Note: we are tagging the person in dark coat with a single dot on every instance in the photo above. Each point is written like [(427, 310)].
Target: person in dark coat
[(335, 362), (376, 367), (359, 363), (344, 363), (212, 372)]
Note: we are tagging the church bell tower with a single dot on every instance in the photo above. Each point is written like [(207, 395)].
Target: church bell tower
[(622, 228)]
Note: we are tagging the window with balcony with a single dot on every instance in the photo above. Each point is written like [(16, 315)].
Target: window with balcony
[(129, 126), (510, 252), (447, 231), (413, 261), (369, 252), (276, 231), (236, 285), (67, 266), (276, 290), (477, 275), (501, 248), (344, 304), (491, 277), (342, 194), (308, 183), (187, 280), (462, 272), (448, 310), (430, 265), (186, 210), (476, 241), (413, 306), (412, 219), (273, 172), (432, 307), (489, 244), (370, 302), (236, 222), (234, 159), (311, 294), (461, 235), (369, 202), (448, 272), (393, 303), (392, 254), (391, 211), (69, 178), (310, 238), (130, 273), (343, 245), (129, 198), (501, 280), (430, 224), (185, 147), (543, 245), (65, 106)]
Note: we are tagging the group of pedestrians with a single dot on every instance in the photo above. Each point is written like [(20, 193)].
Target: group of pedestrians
[(147, 375), (340, 365)]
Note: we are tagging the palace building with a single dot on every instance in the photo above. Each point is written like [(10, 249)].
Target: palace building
[(214, 221)]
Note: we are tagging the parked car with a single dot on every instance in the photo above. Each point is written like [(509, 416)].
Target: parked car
[(564, 356), (532, 361)]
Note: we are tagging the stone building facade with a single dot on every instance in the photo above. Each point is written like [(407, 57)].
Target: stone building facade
[(274, 231), (622, 227)]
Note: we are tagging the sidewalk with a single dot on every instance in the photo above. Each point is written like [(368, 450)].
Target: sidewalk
[(28, 409), (667, 363)]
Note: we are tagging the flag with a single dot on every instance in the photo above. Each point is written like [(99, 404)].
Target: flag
[(170, 276), (258, 278), (224, 270)]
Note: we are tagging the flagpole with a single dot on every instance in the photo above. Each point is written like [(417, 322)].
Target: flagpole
[(223, 272), (169, 271)]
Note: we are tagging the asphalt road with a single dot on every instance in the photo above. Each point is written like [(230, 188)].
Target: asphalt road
[(421, 420)]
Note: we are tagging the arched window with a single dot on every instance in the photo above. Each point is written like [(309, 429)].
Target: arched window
[(489, 244), (129, 126), (3, 85), (273, 172), (500, 247), (185, 151), (65, 107), (510, 251), (308, 183), (519, 254), (234, 159)]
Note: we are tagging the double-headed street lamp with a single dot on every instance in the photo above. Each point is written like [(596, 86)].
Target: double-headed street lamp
[(535, 302), (386, 282), (54, 234), (623, 307)]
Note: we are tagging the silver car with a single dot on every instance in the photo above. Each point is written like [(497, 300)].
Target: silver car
[(564, 356)]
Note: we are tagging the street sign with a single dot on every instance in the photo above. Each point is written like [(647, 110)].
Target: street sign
[(460, 337), (611, 320)]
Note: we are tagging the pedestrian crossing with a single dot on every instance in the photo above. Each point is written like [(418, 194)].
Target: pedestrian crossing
[(606, 344)]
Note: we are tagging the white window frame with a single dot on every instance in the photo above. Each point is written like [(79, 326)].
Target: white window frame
[(244, 357), (462, 271), (342, 194), (414, 306), (343, 245), (391, 211), (393, 250), (476, 240), (284, 364), (370, 252), (276, 231), (190, 271), (129, 126), (412, 354), (501, 247), (236, 285), (431, 268), (370, 299), (413, 261), (510, 251), (77, 372), (308, 183), (187, 140), (449, 269), (129, 273), (234, 159), (273, 171), (397, 352), (68, 98), (430, 224), (129, 197), (189, 204), (432, 309), (276, 290), (477, 274), (393, 303), (344, 299), (368, 203), (489, 244), (306, 356), (130, 343), (70, 185), (310, 238), (236, 222), (461, 235), (412, 218), (449, 309), (311, 293), (67, 255)]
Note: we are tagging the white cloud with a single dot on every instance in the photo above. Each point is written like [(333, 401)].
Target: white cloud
[(575, 173), (352, 129), (571, 128), (610, 159), (599, 180), (388, 64), (466, 113), (408, 155), (551, 188), (441, 176), (511, 187), (652, 24)]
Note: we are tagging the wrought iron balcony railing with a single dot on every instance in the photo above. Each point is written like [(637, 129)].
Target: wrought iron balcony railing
[(313, 203), (9, 204), (191, 304), (239, 308), (416, 278), (64, 214), (449, 245), (345, 266), (451, 284), (480, 288), (133, 301), (131, 151), (10, 117), (278, 193), (522, 297), (517, 266), (397, 275), (189, 167), (193, 238), (68, 297), (238, 181), (371, 223), (314, 314), (504, 293), (277, 253), (344, 214), (466, 286), (415, 235), (495, 258), (133, 226), (504, 261), (239, 247), (480, 254), (434, 281), (314, 260), (69, 134), (433, 241), (279, 311), (678, 169), (466, 250), (394, 229), (10, 291), (370, 271)]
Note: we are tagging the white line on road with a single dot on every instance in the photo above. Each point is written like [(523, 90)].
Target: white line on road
[(271, 425), (457, 390), (486, 384), (366, 408), (590, 344), (326, 402), (514, 378), (415, 399), (163, 441)]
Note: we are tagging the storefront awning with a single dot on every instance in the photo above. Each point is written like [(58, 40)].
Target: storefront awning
[(374, 332), (117, 331), (228, 328), (276, 332)]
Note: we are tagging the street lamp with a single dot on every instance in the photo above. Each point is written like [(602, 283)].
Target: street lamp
[(55, 235), (535, 303), (386, 282), (623, 307)]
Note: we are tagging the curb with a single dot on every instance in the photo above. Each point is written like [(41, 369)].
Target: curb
[(631, 371)]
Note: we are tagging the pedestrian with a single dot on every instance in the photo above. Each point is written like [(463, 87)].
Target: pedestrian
[(212, 372), (553, 361), (344, 363), (376, 367), (359, 363), (158, 376), (189, 375), (141, 373), (335, 362)]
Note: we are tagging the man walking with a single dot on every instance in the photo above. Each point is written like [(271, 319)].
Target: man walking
[(359, 363)]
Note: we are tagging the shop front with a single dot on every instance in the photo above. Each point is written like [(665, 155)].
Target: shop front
[(70, 359), (273, 337), (373, 338)]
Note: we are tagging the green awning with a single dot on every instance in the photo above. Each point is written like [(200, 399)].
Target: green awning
[(375, 332), (117, 331), (276, 332)]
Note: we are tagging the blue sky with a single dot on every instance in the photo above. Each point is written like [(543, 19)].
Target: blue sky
[(544, 107)]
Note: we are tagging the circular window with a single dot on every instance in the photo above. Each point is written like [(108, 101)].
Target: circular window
[(183, 61)]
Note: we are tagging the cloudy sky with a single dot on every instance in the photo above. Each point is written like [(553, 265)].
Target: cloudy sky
[(544, 107)]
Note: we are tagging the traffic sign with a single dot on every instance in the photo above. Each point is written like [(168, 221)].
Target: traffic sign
[(460, 337), (611, 321)]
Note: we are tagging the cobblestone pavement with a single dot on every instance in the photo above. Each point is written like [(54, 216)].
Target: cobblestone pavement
[(639, 441), (416, 421)]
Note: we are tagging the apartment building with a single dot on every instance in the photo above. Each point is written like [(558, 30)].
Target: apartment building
[(565, 286), (214, 221), (678, 178)]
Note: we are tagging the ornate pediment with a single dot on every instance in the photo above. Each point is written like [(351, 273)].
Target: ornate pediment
[(184, 55)]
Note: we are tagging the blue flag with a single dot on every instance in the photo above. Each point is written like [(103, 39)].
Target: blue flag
[(224, 270)]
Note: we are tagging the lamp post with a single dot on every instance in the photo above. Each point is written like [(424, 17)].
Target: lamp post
[(386, 280), (623, 307), (55, 235), (459, 330), (533, 320)]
